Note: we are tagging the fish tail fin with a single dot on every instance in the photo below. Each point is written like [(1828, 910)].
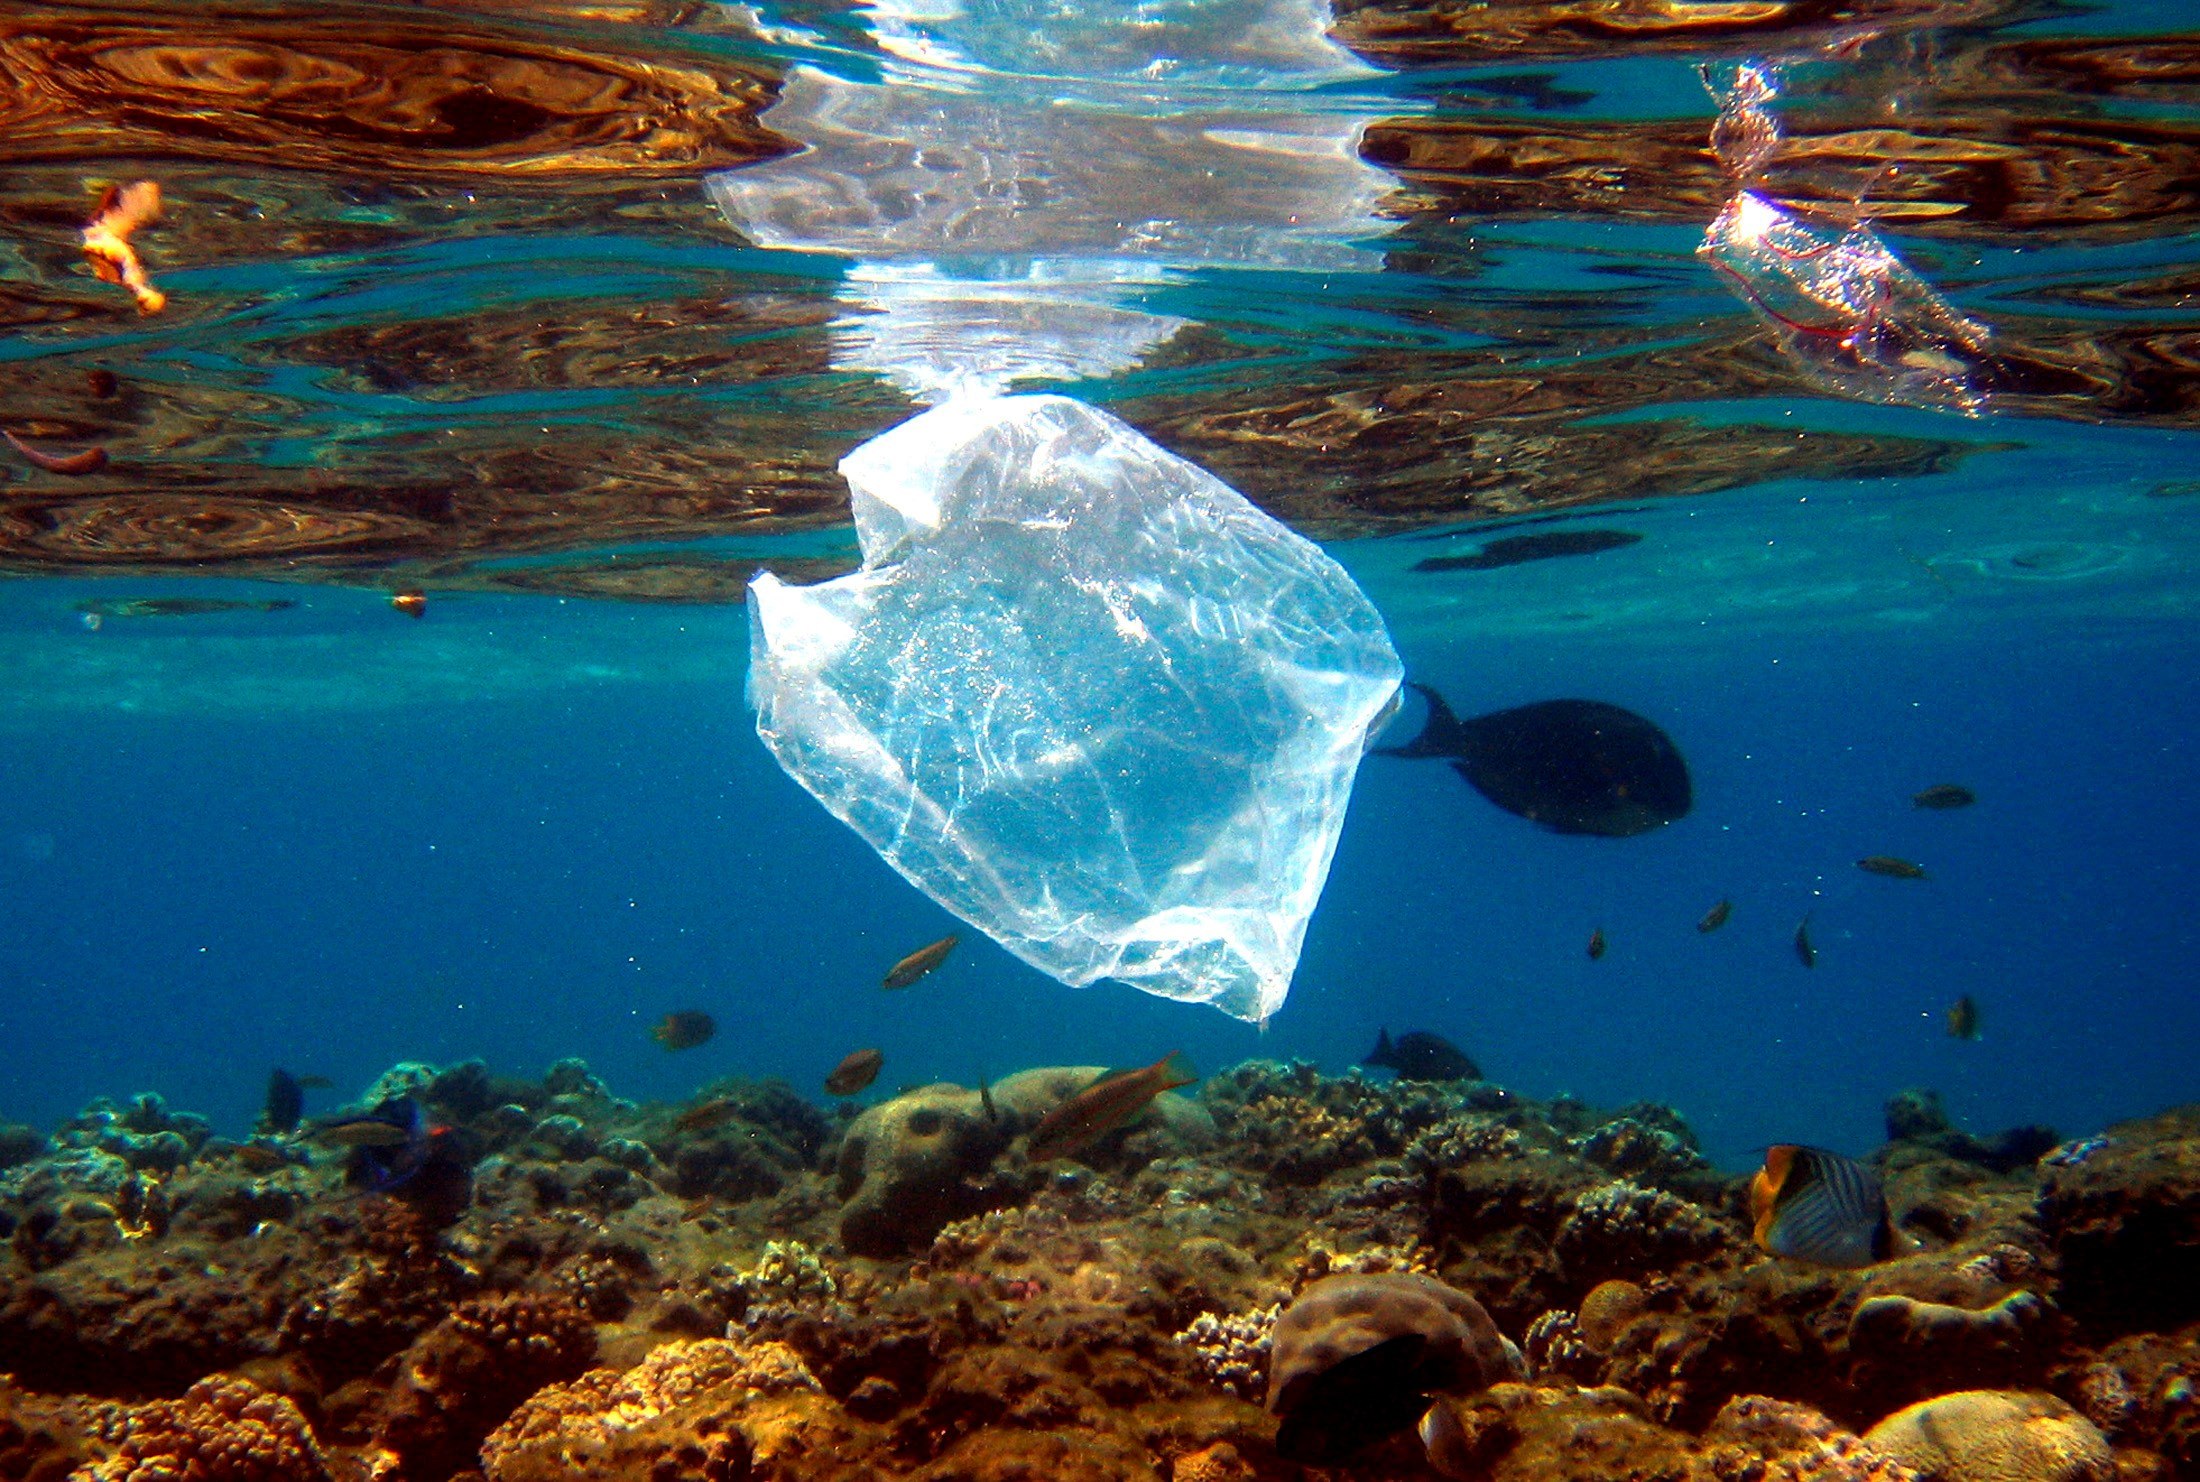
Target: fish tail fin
[(1383, 1053), (1177, 1070), (1438, 731)]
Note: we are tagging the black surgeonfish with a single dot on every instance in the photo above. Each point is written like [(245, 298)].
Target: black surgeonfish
[(286, 1103), (1573, 766), (1421, 1056), (1518, 550), (1811, 1205)]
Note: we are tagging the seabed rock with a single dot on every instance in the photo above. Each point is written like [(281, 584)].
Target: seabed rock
[(762, 1291)]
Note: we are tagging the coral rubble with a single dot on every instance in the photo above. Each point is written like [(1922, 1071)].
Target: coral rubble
[(746, 1287)]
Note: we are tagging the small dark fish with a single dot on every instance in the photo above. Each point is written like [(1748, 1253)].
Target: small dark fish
[(1891, 867), (1572, 766), (920, 962), (1715, 918), (1420, 1056), (1518, 550), (165, 607), (707, 1116), (1963, 1018), (91, 460), (261, 1157), (101, 383), (390, 1125), (286, 1103), (985, 1099), (684, 1029), (1805, 953), (412, 604), (1945, 795), (1596, 944), (1812, 1205), (856, 1072), (1105, 1105), (315, 1082)]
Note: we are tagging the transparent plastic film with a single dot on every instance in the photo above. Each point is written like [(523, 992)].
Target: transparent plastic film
[(1082, 694)]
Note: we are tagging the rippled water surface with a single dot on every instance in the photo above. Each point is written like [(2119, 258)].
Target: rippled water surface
[(563, 314)]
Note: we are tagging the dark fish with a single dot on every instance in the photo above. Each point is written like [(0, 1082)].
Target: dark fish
[(1805, 953), (384, 1127), (1596, 944), (261, 1157), (855, 1072), (1420, 1056), (1518, 550), (1573, 766), (315, 1082), (1105, 1105), (421, 1164), (707, 1116), (985, 1099), (1963, 1018), (161, 607), (1892, 868), (920, 962), (90, 460), (1812, 1205), (1715, 918), (684, 1029), (1945, 795), (286, 1103)]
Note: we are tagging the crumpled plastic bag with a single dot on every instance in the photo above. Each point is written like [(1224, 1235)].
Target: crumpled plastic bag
[(1083, 694)]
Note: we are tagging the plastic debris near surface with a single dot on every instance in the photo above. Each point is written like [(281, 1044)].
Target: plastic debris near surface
[(1843, 306), (1083, 694)]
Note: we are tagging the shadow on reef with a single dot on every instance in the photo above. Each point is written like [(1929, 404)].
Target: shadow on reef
[(751, 1287)]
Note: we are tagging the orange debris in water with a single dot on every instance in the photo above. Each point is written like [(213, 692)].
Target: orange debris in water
[(122, 210)]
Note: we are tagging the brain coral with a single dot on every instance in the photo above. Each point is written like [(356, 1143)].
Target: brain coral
[(224, 1429), (1986, 1435), (1607, 1310), (1356, 1358)]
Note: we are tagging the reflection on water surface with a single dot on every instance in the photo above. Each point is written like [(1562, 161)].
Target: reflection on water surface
[(445, 286)]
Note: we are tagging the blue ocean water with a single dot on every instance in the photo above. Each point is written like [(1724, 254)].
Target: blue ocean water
[(525, 827)]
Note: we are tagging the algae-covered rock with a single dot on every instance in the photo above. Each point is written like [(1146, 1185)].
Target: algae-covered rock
[(909, 1166), (1985, 1435), (1356, 1359)]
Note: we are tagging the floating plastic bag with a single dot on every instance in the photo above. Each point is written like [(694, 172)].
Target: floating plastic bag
[(1081, 693)]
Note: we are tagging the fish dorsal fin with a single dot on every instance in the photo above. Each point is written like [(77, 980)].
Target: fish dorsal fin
[(1439, 732), (1176, 1070)]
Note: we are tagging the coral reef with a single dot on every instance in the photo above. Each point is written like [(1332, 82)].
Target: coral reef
[(747, 1286)]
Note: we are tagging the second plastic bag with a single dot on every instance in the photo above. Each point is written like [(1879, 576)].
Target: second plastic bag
[(1083, 694)]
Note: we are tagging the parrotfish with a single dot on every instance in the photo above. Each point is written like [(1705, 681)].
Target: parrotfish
[(1891, 867), (1808, 1204), (1945, 795), (920, 962), (1105, 1105), (684, 1029), (854, 1073), (1420, 1056), (1572, 766)]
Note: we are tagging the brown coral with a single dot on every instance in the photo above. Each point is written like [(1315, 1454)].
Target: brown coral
[(1983, 1435), (1356, 1358), (224, 1429), (466, 1374), (1607, 1311)]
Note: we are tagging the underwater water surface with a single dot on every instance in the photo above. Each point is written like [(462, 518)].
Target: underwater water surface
[(552, 323)]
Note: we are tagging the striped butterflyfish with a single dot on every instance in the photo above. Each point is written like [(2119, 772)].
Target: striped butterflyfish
[(1812, 1205)]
